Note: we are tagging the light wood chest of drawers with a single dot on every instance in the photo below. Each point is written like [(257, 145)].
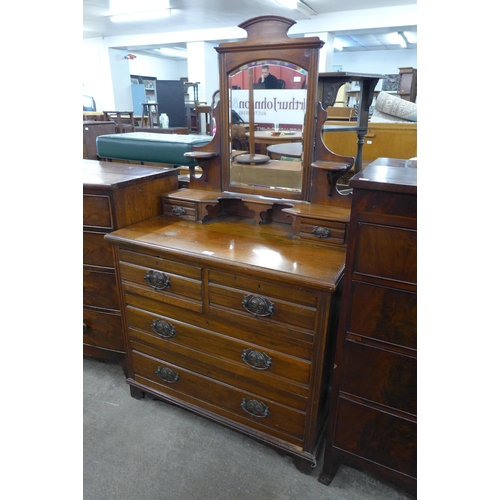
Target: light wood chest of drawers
[(234, 321), (114, 195)]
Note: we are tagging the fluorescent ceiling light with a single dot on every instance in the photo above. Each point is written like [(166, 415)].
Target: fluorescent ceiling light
[(173, 52), (141, 16), (299, 6), (337, 44), (402, 40), (411, 36)]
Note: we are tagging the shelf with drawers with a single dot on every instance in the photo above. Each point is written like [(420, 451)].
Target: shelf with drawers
[(373, 413), (114, 195), (232, 320)]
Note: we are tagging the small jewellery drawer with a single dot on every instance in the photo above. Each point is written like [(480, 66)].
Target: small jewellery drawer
[(100, 289), (103, 329), (182, 383), (161, 332), (179, 209), (97, 211), (322, 231)]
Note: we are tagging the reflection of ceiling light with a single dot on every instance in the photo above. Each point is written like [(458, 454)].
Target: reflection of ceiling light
[(402, 40), (141, 16), (299, 6)]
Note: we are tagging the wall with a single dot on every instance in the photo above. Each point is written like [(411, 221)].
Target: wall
[(161, 68), (386, 62)]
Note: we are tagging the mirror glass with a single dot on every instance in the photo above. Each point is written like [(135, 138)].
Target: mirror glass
[(267, 105)]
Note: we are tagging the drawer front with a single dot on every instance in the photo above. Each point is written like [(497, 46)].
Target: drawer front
[(280, 338), (383, 438), (100, 289), (97, 211), (179, 209), (96, 251), (251, 409), (323, 231), (102, 329), (387, 252), (380, 376), (252, 360), (384, 314)]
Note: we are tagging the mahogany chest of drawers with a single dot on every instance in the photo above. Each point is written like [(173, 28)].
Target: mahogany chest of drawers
[(114, 195), (233, 320), (373, 415)]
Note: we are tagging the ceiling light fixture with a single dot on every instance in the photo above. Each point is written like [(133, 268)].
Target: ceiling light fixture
[(337, 44), (299, 6), (402, 40), (141, 16)]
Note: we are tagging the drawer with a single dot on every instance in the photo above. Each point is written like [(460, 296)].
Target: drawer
[(380, 376), (179, 209), (97, 211), (380, 437), (287, 341), (96, 251), (100, 289), (251, 409), (385, 314), (102, 329), (386, 252), (279, 290), (252, 360), (323, 231)]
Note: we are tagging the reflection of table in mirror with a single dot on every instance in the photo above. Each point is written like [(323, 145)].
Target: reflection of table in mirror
[(290, 149), (267, 137), (275, 173)]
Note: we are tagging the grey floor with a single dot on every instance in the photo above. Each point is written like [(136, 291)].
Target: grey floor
[(150, 450)]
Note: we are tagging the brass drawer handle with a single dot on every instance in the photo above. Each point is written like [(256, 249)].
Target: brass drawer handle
[(321, 232), (257, 360), (167, 375), (163, 329), (255, 408), (176, 210), (157, 280), (257, 305)]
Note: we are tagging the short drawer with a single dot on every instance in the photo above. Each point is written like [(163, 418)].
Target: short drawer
[(381, 376), (103, 329), (381, 437), (179, 209), (179, 382), (97, 211), (323, 231), (161, 332), (100, 289), (387, 252), (96, 251), (385, 314)]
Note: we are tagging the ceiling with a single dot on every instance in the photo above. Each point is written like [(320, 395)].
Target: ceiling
[(194, 15)]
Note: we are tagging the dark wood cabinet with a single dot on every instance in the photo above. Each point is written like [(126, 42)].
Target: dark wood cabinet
[(373, 413), (407, 88), (115, 195)]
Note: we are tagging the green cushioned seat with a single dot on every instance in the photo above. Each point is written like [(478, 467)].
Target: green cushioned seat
[(150, 147)]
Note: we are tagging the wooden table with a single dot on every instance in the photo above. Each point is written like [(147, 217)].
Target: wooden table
[(267, 137), (291, 149)]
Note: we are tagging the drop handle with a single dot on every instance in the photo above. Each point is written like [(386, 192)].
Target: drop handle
[(157, 280), (255, 408), (257, 305), (163, 329), (167, 375), (256, 360)]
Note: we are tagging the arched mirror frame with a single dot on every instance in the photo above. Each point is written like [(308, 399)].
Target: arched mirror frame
[(267, 39)]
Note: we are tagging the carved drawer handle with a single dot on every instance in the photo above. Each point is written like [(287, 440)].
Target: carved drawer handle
[(176, 210), (256, 359), (255, 408), (157, 280), (167, 375), (257, 305), (321, 232), (164, 329)]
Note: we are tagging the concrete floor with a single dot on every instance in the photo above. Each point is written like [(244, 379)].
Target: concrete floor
[(150, 450)]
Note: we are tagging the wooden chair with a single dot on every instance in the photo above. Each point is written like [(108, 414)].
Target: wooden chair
[(124, 120)]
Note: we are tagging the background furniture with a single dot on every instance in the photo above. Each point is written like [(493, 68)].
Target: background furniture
[(149, 111), (206, 111), (373, 413), (407, 87), (114, 195), (170, 95), (91, 130), (124, 120)]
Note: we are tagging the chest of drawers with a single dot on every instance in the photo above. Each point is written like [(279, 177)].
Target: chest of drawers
[(232, 320), (373, 416), (114, 195)]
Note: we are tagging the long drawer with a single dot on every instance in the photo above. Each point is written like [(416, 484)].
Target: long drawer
[(244, 406), (164, 332)]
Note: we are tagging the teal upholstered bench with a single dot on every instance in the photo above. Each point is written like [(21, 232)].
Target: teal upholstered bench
[(150, 147)]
